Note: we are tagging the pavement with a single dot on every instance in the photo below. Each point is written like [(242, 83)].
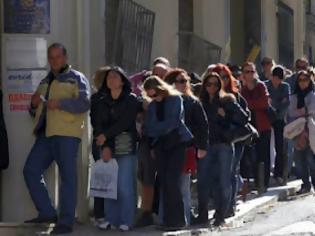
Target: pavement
[(252, 205)]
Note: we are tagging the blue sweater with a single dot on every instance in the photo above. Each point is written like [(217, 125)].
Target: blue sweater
[(173, 119)]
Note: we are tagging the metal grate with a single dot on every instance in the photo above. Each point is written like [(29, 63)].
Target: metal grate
[(133, 36), (195, 53)]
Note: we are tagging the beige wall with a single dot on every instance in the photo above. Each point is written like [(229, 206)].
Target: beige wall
[(16, 205), (269, 28), (212, 22), (165, 39)]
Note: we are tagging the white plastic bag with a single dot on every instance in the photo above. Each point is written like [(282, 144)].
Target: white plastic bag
[(104, 179)]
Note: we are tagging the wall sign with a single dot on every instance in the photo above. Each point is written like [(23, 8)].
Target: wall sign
[(27, 16)]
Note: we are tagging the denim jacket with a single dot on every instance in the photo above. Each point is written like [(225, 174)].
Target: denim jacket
[(173, 119)]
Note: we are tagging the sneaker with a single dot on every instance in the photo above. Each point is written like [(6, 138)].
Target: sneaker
[(124, 228), (61, 229), (98, 221), (145, 219), (40, 220), (104, 226)]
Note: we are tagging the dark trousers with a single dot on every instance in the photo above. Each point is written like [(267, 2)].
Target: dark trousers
[(278, 127), (263, 155), (169, 167)]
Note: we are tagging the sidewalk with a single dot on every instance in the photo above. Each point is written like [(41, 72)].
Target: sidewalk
[(257, 202)]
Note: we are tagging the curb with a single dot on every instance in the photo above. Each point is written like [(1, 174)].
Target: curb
[(271, 197)]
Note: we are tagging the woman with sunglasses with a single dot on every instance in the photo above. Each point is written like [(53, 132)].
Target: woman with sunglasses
[(256, 95), (196, 121), (215, 170), (164, 124), (113, 117), (231, 86), (302, 104)]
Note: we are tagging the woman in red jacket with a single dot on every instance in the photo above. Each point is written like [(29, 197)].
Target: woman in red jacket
[(256, 95)]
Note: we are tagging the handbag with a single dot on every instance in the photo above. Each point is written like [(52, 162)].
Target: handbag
[(247, 134), (104, 179), (171, 140)]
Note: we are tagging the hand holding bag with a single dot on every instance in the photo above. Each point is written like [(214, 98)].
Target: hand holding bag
[(104, 179)]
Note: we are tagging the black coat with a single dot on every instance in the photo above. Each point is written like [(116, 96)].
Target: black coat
[(113, 117), (220, 127), (4, 146), (197, 122)]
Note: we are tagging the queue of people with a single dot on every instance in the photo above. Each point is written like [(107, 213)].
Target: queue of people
[(163, 127)]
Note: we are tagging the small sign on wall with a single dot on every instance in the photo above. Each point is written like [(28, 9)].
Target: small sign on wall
[(19, 87), (27, 16)]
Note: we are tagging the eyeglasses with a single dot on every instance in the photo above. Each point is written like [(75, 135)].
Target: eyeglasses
[(249, 71), (211, 84), (181, 81)]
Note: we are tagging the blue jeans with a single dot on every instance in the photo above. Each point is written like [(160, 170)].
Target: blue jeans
[(214, 174), (122, 211), (62, 150), (305, 166), (236, 177)]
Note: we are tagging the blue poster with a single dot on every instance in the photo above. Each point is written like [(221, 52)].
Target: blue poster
[(27, 16)]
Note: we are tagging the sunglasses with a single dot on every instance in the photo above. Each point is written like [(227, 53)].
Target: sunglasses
[(181, 81), (211, 84), (303, 80), (249, 71)]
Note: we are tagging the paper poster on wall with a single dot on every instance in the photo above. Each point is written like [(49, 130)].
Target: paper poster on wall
[(25, 52), (27, 16), (20, 85)]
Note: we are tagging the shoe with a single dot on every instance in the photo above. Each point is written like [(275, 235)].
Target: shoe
[(61, 229), (230, 213), (145, 219), (124, 228), (218, 223), (104, 226), (98, 221), (199, 221), (303, 191), (40, 220)]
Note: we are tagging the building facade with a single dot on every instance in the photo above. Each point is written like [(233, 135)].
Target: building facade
[(191, 33)]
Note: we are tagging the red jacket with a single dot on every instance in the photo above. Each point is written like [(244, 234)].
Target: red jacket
[(257, 100)]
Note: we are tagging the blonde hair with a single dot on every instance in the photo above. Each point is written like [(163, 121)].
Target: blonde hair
[(162, 88)]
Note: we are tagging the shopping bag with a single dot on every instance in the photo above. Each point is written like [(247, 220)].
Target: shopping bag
[(104, 179)]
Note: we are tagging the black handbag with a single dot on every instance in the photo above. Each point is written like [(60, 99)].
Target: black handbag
[(247, 134), (171, 140)]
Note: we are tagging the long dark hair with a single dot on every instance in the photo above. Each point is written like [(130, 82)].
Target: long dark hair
[(310, 87), (221, 94)]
